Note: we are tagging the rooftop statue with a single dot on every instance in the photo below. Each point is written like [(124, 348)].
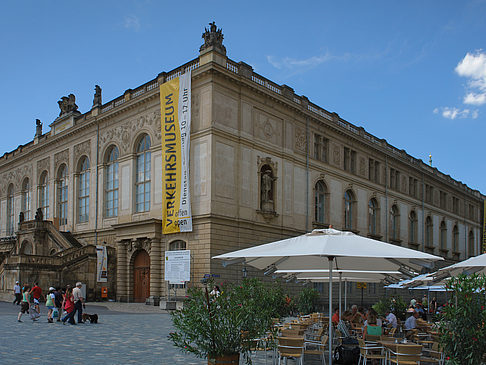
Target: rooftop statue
[(97, 96), (213, 37), (67, 104)]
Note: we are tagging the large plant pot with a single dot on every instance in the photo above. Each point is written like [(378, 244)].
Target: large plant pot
[(226, 360)]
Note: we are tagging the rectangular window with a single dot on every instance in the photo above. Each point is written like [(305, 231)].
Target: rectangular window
[(394, 179), (429, 194), (455, 205), (374, 171), (413, 187), (472, 216), (349, 160), (321, 145), (443, 200)]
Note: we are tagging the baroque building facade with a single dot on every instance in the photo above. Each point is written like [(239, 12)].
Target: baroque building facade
[(265, 164)]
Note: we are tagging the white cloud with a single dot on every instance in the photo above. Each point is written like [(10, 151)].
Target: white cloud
[(456, 113), (132, 22), (292, 63), (473, 67)]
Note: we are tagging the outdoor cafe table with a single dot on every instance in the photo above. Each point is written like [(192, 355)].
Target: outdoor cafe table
[(391, 345)]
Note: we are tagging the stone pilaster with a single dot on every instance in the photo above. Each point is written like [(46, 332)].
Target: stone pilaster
[(156, 269), (121, 272)]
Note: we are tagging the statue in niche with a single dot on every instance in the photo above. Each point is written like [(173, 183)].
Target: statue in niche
[(67, 104), (97, 96), (213, 37), (267, 189), (21, 217)]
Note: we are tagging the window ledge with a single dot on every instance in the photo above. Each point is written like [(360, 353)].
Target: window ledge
[(444, 251), (430, 249), (355, 231), (318, 225), (396, 242), (375, 236), (413, 245)]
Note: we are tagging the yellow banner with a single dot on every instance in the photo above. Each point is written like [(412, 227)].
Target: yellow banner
[(175, 111)]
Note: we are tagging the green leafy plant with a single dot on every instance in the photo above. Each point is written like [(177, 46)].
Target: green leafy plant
[(462, 327), (307, 300), (396, 305), (213, 326)]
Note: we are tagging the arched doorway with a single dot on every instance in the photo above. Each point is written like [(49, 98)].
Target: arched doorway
[(141, 276)]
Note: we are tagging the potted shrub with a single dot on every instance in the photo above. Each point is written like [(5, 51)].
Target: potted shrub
[(220, 328), (462, 327)]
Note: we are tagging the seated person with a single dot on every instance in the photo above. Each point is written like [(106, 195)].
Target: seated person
[(410, 325), (355, 317), (335, 316), (373, 325), (391, 319)]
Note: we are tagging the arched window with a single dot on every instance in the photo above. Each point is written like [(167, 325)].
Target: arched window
[(62, 195), (267, 189), (429, 238), (25, 201), (142, 181), (373, 217), (111, 186), (83, 191), (320, 202), (44, 194), (348, 210), (177, 245), (10, 211), (443, 236), (412, 234), (395, 224), (455, 239), (470, 244), (26, 248)]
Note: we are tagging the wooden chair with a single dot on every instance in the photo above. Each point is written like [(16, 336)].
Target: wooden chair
[(369, 351), (434, 355), (291, 347), (392, 331), (292, 332), (316, 348), (405, 355)]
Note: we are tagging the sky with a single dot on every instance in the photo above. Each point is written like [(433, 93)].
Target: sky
[(411, 72)]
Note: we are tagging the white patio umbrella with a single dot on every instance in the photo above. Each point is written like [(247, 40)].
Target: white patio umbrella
[(476, 264), (341, 250)]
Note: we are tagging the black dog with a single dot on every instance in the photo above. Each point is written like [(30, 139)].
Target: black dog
[(92, 318)]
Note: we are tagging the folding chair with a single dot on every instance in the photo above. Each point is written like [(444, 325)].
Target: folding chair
[(291, 347), (434, 355), (368, 351), (406, 355), (317, 348)]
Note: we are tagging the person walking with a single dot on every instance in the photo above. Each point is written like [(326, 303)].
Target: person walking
[(58, 303), (18, 293), (36, 293), (25, 303), (78, 301), (50, 298), (68, 306)]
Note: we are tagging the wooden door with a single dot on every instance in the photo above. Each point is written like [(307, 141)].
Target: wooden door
[(141, 277)]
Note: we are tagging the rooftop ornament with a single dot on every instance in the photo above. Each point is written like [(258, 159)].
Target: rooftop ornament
[(67, 104), (213, 37)]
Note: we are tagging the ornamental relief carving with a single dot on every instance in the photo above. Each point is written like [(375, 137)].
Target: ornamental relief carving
[(15, 177), (43, 165), (139, 244), (123, 135), (83, 149), (60, 158), (268, 128), (299, 137)]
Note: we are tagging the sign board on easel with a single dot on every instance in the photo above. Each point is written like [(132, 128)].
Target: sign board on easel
[(177, 266)]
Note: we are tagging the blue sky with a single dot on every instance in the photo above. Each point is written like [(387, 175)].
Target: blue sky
[(411, 72)]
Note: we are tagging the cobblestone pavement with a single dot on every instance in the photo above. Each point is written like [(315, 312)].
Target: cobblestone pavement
[(118, 338)]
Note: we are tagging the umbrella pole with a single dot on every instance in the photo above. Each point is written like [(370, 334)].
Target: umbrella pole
[(330, 309), (340, 296), (345, 294)]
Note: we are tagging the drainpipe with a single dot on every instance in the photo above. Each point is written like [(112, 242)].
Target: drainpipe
[(307, 174), (423, 212)]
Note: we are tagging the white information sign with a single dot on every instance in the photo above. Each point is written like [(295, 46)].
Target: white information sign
[(178, 266)]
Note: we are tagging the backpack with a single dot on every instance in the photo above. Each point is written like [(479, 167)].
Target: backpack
[(57, 299)]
